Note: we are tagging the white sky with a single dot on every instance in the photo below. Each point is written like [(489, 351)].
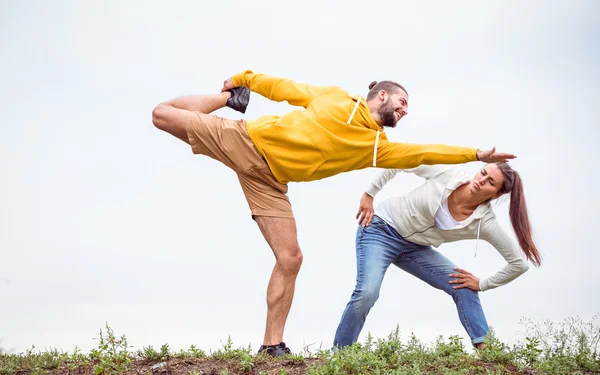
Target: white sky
[(105, 218)]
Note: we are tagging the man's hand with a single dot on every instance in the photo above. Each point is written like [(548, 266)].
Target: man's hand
[(365, 210), (465, 280), (228, 85), (492, 156)]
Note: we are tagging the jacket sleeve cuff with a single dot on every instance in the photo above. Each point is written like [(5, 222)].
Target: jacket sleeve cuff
[(372, 190), (240, 78), (483, 285)]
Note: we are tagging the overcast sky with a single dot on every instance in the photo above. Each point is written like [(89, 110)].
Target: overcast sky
[(104, 218)]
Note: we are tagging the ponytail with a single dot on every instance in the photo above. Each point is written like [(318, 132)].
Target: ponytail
[(519, 217)]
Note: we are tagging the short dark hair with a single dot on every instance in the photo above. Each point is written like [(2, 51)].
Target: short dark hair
[(387, 86)]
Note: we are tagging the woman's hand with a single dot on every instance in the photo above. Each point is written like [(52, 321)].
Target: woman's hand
[(365, 210), (465, 280)]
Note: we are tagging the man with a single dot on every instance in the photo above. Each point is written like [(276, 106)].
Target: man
[(333, 133)]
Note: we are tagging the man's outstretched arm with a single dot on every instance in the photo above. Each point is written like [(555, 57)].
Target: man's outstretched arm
[(407, 155), (275, 88)]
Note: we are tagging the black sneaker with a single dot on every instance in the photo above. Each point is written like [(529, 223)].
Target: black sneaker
[(240, 96), (278, 350)]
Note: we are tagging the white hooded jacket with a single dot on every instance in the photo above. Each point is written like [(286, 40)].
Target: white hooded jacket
[(414, 218)]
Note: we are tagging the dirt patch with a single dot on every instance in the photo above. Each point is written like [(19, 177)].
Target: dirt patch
[(195, 366)]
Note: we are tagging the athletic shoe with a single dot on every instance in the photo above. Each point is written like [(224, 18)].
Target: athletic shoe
[(240, 96), (278, 350)]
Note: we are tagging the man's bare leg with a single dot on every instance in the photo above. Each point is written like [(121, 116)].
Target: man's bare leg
[(201, 103), (282, 237), (172, 116)]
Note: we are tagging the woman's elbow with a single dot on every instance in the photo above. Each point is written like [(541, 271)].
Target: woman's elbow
[(522, 266)]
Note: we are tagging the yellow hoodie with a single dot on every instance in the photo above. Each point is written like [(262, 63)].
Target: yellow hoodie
[(334, 133)]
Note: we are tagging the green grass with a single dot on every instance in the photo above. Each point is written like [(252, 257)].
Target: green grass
[(567, 347)]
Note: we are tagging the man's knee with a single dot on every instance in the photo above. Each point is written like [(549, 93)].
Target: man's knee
[(291, 260), (159, 116)]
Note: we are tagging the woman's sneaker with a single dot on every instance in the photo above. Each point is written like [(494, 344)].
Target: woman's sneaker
[(278, 350)]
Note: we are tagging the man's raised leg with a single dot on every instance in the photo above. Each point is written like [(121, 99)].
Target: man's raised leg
[(174, 115), (282, 237)]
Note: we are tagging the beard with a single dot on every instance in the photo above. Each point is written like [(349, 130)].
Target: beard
[(387, 115)]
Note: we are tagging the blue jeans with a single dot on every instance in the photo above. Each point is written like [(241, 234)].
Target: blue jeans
[(379, 245)]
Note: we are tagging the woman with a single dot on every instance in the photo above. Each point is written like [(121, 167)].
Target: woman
[(449, 206)]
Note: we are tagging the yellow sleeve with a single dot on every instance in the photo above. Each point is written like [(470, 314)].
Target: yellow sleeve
[(278, 89), (407, 155)]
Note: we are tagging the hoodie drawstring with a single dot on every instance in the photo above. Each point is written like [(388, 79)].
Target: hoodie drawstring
[(376, 137), (353, 111), (375, 149)]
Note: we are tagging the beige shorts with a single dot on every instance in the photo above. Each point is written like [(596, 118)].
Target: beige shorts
[(228, 142)]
